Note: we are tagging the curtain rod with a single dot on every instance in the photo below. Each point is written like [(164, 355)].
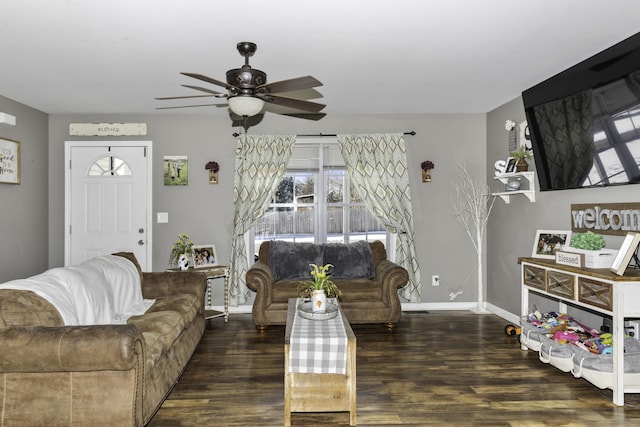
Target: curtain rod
[(412, 133)]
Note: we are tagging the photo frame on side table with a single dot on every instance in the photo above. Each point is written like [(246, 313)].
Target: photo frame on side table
[(204, 256), (9, 161), (628, 248), (548, 242)]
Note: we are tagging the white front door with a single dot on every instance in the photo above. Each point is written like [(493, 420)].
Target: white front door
[(108, 200)]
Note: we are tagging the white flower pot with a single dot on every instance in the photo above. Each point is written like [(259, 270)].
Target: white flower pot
[(319, 301), (183, 262)]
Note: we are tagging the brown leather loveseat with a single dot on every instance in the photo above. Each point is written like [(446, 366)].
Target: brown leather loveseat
[(369, 282), (96, 374)]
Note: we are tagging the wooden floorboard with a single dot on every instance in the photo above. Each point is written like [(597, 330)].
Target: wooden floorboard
[(440, 368)]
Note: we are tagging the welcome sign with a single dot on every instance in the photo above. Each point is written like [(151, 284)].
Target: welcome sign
[(606, 218)]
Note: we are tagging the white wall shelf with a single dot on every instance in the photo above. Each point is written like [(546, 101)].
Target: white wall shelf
[(530, 192)]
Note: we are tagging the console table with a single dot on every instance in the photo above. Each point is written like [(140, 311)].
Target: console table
[(599, 290)]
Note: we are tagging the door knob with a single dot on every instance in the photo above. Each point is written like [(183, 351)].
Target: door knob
[(141, 242)]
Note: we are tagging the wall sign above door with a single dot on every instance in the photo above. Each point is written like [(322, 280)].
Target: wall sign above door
[(606, 218), (107, 129)]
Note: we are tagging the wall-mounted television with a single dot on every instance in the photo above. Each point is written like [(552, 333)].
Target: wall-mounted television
[(584, 122)]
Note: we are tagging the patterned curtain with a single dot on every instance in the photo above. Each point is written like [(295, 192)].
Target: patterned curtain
[(377, 165), (566, 126), (261, 161)]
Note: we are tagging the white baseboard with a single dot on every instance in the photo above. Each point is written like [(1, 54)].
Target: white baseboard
[(412, 306)]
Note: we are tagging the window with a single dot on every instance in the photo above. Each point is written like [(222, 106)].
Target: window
[(316, 202), (109, 165)]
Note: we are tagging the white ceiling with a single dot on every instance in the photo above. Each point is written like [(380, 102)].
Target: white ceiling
[(373, 56)]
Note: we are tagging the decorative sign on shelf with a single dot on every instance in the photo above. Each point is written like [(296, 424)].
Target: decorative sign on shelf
[(107, 129), (606, 218), (570, 259)]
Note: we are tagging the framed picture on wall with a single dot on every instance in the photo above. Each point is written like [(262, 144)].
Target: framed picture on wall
[(548, 242), (9, 161), (176, 170), (204, 256)]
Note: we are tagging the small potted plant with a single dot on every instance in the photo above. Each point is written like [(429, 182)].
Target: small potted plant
[(592, 245), (426, 167), (521, 155), (181, 252), (319, 287), (213, 168)]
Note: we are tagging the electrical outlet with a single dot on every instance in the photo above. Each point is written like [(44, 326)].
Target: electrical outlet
[(435, 280), (632, 328)]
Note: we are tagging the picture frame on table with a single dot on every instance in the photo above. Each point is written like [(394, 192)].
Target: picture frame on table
[(548, 242), (9, 161), (511, 165), (628, 248), (204, 256)]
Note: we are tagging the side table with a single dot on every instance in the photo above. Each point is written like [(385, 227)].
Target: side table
[(215, 272)]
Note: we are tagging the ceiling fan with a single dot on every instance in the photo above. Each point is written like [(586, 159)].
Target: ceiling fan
[(248, 91)]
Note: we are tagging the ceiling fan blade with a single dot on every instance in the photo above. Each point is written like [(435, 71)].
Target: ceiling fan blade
[(203, 89), (190, 106), (245, 122), (210, 80), (164, 98), (307, 116), (296, 104), (289, 85)]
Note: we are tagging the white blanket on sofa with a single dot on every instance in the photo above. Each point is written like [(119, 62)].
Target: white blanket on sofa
[(102, 290)]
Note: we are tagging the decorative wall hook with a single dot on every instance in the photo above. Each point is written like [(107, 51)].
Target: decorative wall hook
[(213, 168)]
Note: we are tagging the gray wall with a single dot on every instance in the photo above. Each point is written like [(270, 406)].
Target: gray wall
[(512, 227), (23, 207), (205, 211)]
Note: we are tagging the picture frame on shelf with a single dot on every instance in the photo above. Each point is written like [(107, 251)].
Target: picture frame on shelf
[(9, 161), (511, 165), (548, 242), (628, 248), (204, 256)]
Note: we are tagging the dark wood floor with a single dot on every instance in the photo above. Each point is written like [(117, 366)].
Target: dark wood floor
[(441, 368)]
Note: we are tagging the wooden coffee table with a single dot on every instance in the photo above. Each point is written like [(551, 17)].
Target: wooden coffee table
[(319, 392)]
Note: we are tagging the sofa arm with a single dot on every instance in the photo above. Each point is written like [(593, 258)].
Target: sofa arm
[(259, 277), (164, 284), (391, 277), (70, 348)]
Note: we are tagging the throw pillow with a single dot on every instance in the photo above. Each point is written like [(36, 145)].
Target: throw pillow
[(289, 260), (350, 261)]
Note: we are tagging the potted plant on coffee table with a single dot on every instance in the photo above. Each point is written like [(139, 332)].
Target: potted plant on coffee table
[(319, 288)]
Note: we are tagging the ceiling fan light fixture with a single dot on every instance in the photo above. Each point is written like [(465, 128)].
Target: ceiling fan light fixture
[(245, 105)]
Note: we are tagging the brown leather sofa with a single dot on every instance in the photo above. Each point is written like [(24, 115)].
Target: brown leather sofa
[(369, 282), (107, 375)]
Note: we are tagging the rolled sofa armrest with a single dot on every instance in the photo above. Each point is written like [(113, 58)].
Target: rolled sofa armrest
[(391, 277), (70, 348), (259, 277), (164, 284)]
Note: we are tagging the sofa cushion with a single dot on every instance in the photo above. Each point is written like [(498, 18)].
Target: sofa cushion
[(289, 260), (350, 261), (185, 304), (159, 329)]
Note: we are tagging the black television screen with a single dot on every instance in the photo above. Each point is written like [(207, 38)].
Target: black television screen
[(584, 123)]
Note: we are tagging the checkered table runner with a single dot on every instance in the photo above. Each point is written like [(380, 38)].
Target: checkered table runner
[(318, 346)]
